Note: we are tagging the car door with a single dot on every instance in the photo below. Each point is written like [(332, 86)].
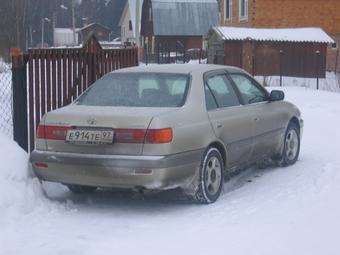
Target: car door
[(267, 121), (230, 120)]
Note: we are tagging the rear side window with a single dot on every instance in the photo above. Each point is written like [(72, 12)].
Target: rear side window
[(137, 90), (219, 92)]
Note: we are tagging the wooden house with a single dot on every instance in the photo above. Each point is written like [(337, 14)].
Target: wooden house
[(177, 23)]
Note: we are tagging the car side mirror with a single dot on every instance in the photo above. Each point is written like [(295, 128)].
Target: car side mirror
[(276, 95)]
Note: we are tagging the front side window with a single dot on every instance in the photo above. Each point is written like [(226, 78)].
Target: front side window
[(249, 90), (137, 90), (228, 6), (219, 92), (243, 9)]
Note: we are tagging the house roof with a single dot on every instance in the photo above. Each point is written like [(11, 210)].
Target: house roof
[(316, 35), (184, 17)]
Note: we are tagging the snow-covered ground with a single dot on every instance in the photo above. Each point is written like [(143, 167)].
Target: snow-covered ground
[(292, 210), (330, 83)]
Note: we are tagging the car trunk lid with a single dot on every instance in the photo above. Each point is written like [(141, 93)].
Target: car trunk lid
[(118, 119)]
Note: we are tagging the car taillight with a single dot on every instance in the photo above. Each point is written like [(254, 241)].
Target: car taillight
[(141, 135), (41, 132), (159, 135), (52, 132), (129, 135)]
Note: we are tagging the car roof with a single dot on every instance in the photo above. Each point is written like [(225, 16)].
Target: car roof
[(177, 68)]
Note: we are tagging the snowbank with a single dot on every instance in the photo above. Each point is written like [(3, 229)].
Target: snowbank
[(292, 210), (330, 83), (20, 192)]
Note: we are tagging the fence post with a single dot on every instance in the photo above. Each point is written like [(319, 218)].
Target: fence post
[(19, 94), (253, 64), (200, 57), (146, 55), (158, 52), (169, 53), (184, 55), (317, 69), (176, 52), (281, 52)]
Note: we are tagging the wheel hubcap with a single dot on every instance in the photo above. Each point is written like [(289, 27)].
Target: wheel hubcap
[(213, 175), (292, 144)]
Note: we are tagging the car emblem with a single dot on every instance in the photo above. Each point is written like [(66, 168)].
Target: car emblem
[(91, 121)]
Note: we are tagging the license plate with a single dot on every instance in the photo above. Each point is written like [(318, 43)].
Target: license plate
[(89, 136)]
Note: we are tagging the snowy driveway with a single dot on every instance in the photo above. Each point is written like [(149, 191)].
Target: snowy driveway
[(291, 210)]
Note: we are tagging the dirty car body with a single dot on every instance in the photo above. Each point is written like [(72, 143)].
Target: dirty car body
[(150, 127)]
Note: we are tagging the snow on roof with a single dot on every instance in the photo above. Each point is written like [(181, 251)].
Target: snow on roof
[(94, 24), (62, 30), (316, 35)]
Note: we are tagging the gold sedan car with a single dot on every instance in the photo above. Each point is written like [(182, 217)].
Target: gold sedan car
[(164, 127)]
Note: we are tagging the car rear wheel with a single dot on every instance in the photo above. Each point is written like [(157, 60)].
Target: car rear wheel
[(211, 177), (291, 146), (78, 189)]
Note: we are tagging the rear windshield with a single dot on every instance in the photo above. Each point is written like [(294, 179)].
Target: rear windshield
[(137, 90)]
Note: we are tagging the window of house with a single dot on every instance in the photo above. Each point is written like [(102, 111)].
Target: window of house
[(150, 14), (243, 9), (130, 25), (228, 7)]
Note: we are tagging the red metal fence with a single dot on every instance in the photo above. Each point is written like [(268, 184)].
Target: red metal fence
[(55, 77)]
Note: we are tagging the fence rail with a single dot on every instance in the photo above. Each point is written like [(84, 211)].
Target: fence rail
[(56, 77)]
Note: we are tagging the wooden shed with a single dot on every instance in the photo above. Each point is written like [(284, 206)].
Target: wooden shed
[(177, 21), (296, 52)]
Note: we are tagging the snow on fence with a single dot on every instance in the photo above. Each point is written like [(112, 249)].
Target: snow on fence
[(6, 126)]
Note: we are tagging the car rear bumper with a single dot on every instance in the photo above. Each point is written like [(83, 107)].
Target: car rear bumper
[(149, 172)]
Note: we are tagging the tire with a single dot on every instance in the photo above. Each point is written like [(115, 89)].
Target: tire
[(211, 177), (78, 189), (291, 145)]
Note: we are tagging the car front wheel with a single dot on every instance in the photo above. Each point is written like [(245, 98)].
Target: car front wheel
[(211, 177)]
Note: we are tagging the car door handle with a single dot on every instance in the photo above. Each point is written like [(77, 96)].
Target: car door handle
[(256, 119), (219, 125)]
